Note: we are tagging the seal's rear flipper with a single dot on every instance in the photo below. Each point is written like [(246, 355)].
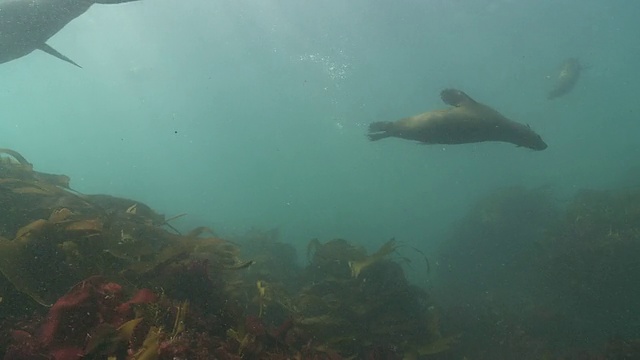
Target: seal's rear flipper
[(455, 97), (51, 51), (378, 130), (379, 126), (378, 136)]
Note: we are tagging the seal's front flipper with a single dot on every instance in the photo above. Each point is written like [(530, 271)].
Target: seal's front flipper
[(455, 97), (51, 51)]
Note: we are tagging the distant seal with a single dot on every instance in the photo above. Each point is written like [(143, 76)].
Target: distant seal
[(26, 25), (566, 79), (467, 122)]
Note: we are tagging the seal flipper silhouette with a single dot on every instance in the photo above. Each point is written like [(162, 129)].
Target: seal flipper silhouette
[(379, 130), (26, 25), (456, 98), (566, 79), (112, 1), (51, 51)]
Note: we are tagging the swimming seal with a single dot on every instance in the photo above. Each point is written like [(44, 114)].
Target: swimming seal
[(26, 25), (566, 79), (467, 122)]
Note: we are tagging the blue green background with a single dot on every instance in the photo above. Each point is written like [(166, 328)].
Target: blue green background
[(254, 113)]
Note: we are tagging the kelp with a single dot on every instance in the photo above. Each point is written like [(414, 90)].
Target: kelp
[(107, 339), (150, 346), (490, 248), (526, 276), (379, 312), (386, 249), (591, 254), (139, 289), (433, 342), (272, 260), (90, 321), (39, 256), (89, 235), (593, 248)]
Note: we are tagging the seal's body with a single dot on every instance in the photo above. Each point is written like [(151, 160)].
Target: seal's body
[(467, 122), (566, 79), (26, 25)]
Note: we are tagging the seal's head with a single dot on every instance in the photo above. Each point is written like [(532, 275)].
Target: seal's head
[(530, 139)]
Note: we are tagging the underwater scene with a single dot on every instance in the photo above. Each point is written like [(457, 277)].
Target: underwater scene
[(324, 180)]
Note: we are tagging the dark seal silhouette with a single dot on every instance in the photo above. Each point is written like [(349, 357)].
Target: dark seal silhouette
[(467, 122), (26, 25), (566, 79)]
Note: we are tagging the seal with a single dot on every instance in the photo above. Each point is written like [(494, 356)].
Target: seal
[(566, 79), (467, 122), (26, 25)]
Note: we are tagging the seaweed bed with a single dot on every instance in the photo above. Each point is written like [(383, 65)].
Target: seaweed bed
[(97, 277), (100, 277)]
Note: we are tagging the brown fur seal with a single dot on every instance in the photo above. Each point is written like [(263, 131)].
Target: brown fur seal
[(567, 78), (467, 122)]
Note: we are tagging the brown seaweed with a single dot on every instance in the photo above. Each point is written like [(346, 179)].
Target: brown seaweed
[(187, 301)]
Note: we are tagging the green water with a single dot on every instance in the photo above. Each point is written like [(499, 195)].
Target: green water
[(254, 113)]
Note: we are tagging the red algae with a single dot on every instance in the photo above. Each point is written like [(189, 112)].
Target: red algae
[(123, 286), (70, 322)]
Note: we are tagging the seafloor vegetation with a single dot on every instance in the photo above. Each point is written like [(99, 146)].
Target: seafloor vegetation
[(521, 277), (526, 278)]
